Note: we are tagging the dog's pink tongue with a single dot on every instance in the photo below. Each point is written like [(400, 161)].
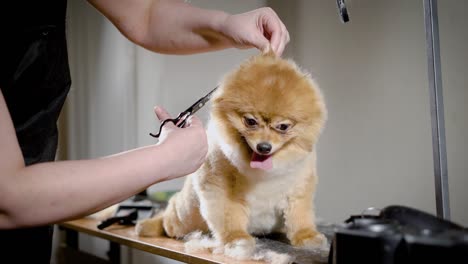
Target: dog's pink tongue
[(264, 162)]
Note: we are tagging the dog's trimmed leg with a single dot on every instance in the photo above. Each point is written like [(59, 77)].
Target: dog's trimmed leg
[(299, 217), (227, 218)]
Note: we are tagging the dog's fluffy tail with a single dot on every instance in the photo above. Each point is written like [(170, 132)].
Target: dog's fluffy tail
[(152, 227)]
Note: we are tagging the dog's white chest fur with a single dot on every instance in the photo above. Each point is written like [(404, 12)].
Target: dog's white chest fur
[(266, 202)]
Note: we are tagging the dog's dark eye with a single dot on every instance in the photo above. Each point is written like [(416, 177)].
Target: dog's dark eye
[(283, 127), (250, 121)]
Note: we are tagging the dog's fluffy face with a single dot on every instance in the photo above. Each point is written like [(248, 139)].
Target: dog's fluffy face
[(269, 111)]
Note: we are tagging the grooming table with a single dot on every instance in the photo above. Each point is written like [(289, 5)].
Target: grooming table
[(174, 249)]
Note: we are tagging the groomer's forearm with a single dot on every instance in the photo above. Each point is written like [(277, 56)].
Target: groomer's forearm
[(70, 189), (166, 26)]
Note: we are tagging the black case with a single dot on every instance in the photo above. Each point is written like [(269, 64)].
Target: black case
[(399, 235)]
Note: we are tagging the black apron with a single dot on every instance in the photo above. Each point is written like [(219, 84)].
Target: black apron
[(35, 80)]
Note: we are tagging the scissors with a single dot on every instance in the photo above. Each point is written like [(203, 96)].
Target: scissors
[(182, 118)]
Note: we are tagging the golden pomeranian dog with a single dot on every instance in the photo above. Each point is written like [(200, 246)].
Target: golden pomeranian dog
[(260, 173)]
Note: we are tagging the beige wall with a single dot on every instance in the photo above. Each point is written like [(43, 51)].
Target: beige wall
[(454, 56), (376, 149)]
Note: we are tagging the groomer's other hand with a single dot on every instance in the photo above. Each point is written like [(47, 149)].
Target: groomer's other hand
[(188, 146), (260, 28)]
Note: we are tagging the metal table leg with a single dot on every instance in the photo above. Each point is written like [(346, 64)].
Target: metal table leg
[(437, 109)]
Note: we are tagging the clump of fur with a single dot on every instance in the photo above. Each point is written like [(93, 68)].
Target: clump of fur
[(260, 173)]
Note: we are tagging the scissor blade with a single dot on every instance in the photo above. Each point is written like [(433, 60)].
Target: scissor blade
[(201, 102)]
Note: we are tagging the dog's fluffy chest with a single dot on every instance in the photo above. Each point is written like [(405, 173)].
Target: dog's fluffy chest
[(266, 201)]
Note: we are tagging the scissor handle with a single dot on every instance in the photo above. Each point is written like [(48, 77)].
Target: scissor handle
[(161, 126), (176, 121)]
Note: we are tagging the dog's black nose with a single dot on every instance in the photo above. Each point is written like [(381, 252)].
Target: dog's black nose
[(264, 147)]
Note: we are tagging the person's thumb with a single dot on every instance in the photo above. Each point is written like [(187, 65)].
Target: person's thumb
[(161, 113)]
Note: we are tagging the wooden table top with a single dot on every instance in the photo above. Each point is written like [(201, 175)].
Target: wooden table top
[(174, 249), (162, 246)]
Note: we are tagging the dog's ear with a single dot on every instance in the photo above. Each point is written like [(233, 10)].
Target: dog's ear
[(269, 52)]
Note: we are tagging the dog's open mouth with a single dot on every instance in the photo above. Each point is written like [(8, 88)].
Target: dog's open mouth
[(258, 161), (264, 162)]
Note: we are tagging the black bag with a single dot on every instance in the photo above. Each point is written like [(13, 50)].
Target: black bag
[(399, 235)]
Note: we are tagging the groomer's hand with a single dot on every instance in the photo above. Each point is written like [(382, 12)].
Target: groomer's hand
[(186, 146), (260, 28)]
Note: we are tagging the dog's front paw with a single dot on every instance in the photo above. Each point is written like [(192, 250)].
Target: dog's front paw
[(150, 227), (309, 238), (240, 248)]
